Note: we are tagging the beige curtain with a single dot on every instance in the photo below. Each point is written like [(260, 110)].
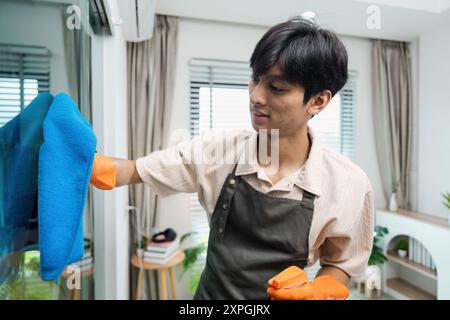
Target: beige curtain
[(151, 75), (392, 114)]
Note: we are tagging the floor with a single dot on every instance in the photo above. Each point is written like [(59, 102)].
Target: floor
[(357, 295)]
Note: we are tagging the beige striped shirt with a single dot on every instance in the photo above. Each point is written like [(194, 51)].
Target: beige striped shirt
[(342, 228)]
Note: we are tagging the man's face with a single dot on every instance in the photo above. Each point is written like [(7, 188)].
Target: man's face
[(277, 104)]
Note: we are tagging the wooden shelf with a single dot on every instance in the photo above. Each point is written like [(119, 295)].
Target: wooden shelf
[(437, 221), (407, 290), (432, 232), (394, 257)]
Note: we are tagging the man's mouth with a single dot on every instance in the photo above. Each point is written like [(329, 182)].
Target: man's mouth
[(259, 114)]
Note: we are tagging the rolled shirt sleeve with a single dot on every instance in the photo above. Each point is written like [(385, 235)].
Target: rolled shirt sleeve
[(351, 252), (200, 165), (171, 170)]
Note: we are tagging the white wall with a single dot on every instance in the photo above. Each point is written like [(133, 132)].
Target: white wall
[(360, 59), (434, 121), (214, 40), (38, 24)]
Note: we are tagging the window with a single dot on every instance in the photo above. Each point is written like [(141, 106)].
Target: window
[(335, 126), (24, 72), (219, 95), (219, 101)]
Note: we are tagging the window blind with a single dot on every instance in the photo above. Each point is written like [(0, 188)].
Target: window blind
[(24, 73), (335, 126), (219, 101), (219, 97)]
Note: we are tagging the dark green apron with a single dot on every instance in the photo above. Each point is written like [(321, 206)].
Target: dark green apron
[(253, 237)]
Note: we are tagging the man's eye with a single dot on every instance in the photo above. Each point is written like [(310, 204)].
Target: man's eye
[(276, 89)]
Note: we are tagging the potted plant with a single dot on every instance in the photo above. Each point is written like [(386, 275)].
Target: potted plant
[(372, 276), (192, 254), (402, 248), (140, 246), (446, 202), (376, 256)]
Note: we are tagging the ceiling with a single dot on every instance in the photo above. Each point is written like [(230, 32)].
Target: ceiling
[(402, 20)]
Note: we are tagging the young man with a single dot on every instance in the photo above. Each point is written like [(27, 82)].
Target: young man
[(318, 205)]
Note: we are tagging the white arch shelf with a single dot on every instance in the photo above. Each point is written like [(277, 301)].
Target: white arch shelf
[(432, 232)]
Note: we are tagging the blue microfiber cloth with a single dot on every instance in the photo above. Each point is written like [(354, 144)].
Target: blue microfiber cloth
[(65, 166), (20, 142)]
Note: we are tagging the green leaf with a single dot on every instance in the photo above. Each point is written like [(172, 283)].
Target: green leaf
[(377, 256), (186, 235), (402, 245), (446, 201), (191, 256), (194, 281)]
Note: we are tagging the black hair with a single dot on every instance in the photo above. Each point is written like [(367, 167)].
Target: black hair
[(307, 55)]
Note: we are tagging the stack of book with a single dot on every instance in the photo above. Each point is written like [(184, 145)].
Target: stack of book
[(161, 252)]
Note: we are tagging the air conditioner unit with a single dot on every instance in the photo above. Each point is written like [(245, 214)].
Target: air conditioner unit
[(138, 18)]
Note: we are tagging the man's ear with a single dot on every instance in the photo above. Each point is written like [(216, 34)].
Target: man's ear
[(318, 102)]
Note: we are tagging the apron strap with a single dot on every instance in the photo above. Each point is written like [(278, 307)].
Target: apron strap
[(308, 199), (233, 173)]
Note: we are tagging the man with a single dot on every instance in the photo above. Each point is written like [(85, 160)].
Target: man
[(318, 205)]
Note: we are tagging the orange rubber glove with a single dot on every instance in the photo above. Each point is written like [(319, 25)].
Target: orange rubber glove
[(291, 284), (290, 277), (103, 173)]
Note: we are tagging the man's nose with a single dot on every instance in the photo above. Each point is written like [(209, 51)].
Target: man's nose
[(257, 95)]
